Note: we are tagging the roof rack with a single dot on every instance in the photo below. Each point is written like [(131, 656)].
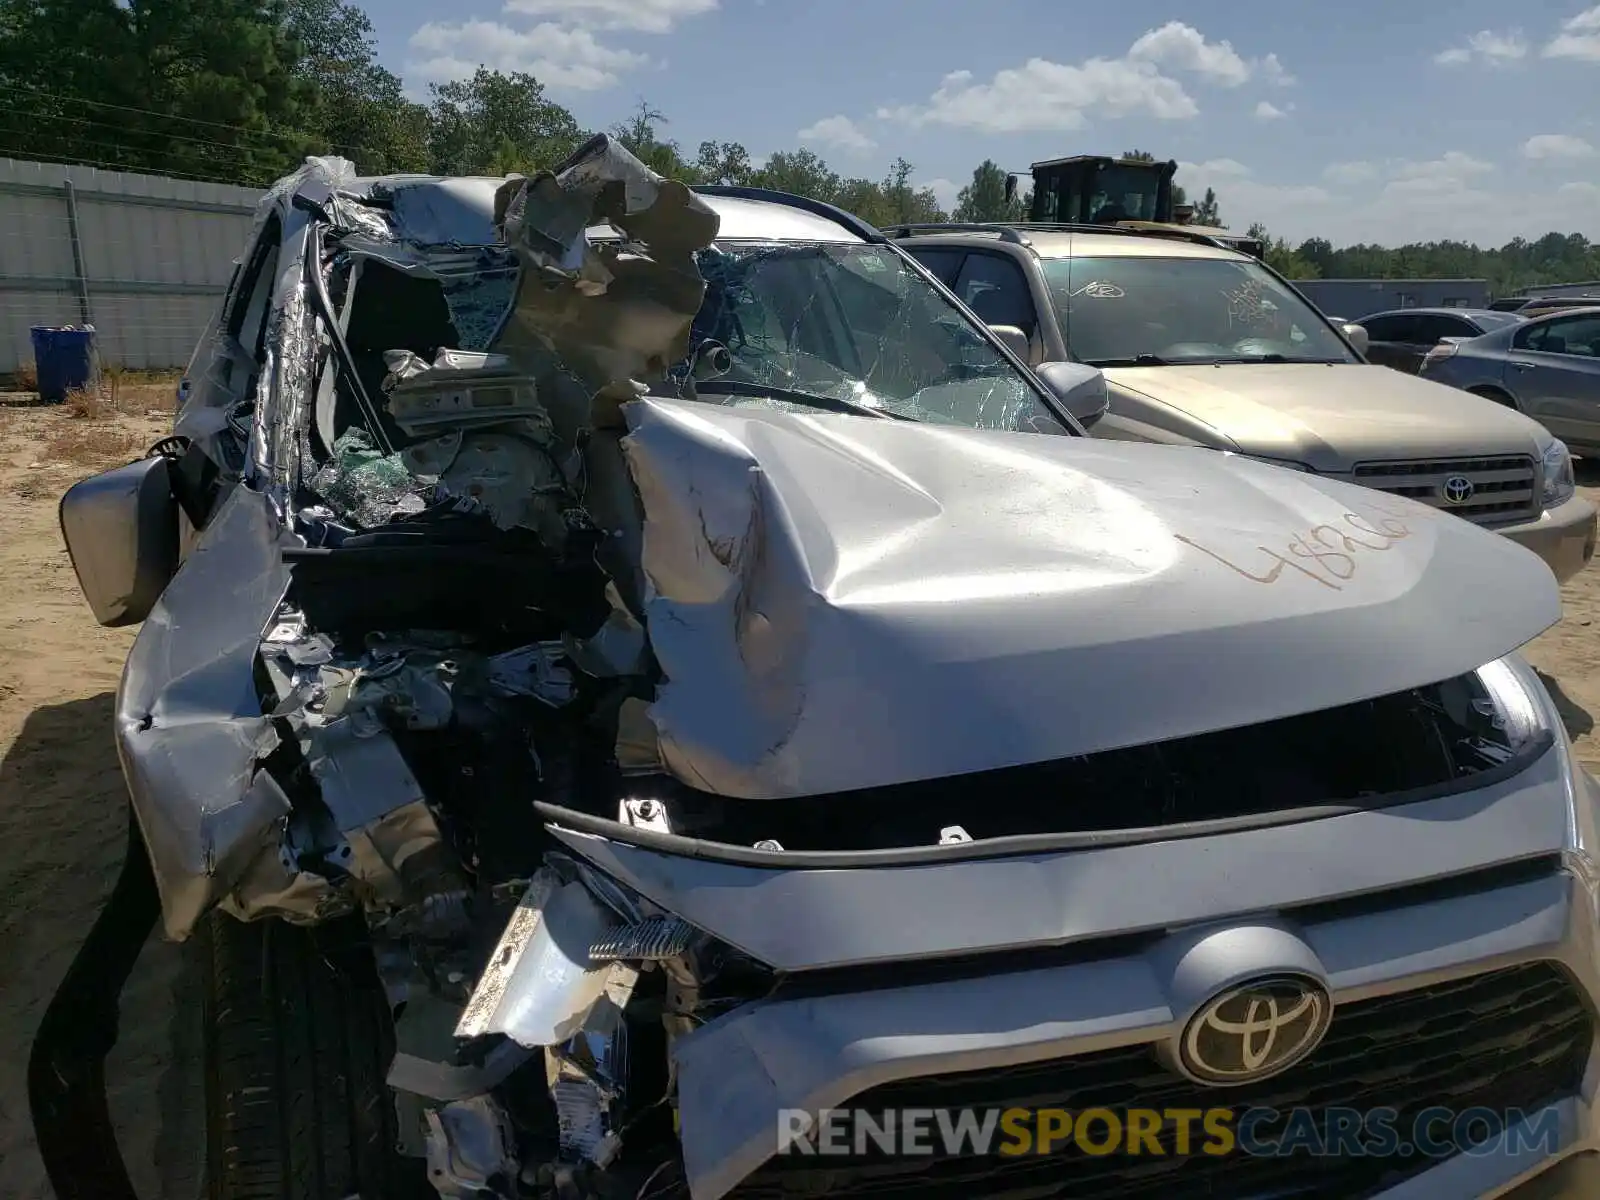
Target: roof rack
[(1013, 231), (817, 208), (1007, 232)]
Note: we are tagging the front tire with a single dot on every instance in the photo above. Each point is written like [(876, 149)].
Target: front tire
[(296, 1050)]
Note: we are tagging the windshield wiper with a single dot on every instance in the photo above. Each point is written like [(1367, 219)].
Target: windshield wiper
[(723, 387), (1138, 360)]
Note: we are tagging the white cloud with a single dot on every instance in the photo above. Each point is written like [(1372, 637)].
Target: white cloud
[(945, 190), (1579, 37), (1243, 199), (1452, 170), (840, 132), (562, 58), (1349, 172), (1485, 46), (1455, 196), (1184, 48), (561, 49), (645, 16), (1267, 111), (1556, 145), (1216, 168), (1273, 71), (1046, 96)]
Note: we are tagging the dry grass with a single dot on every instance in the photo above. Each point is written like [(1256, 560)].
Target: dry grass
[(91, 444), (84, 404), (31, 487), (25, 378)]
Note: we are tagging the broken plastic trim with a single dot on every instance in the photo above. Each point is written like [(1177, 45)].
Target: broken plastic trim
[(1002, 847)]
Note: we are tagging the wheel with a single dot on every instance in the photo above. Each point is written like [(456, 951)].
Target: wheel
[(296, 1050), (1495, 394)]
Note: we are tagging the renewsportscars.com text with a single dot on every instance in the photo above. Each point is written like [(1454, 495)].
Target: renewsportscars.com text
[(1263, 1132)]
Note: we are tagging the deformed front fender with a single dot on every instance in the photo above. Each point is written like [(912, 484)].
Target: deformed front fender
[(190, 730)]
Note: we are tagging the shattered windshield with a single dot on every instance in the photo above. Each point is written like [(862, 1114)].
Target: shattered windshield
[(852, 323), (1136, 311)]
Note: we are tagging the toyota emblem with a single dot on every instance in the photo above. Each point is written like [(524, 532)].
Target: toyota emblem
[(1457, 489), (1255, 1030)]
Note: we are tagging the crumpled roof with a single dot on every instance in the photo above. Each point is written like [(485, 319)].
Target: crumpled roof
[(609, 314)]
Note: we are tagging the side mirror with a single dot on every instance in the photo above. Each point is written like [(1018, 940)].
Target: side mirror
[(1358, 338), (121, 531), (1080, 388), (1015, 340)]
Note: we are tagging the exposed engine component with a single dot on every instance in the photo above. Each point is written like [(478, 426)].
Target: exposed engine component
[(644, 814), (471, 1149)]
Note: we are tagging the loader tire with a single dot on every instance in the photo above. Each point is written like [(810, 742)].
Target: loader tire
[(296, 1051)]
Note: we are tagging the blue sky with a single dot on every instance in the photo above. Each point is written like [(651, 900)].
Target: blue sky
[(1358, 121)]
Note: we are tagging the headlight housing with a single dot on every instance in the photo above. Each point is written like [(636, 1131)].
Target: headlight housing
[(1556, 469), (1509, 705)]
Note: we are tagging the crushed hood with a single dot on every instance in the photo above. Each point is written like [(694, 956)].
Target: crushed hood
[(839, 603), (1333, 416)]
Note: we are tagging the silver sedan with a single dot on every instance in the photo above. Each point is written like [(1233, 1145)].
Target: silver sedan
[(1548, 367)]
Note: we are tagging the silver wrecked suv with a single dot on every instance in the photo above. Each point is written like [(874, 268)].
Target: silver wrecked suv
[(628, 671), (1205, 346)]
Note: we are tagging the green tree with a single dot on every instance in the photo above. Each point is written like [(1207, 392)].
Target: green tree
[(724, 162), (1206, 211), (1281, 257), (203, 88), (639, 133), (1318, 252), (800, 172), (355, 106), (495, 123), (905, 203), (984, 199)]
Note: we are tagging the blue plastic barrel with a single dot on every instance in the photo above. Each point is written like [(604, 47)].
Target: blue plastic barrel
[(64, 358)]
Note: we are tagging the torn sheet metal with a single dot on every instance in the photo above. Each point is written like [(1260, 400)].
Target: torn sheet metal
[(980, 600), (211, 400), (275, 884), (189, 724), (539, 986), (425, 1061), (602, 317)]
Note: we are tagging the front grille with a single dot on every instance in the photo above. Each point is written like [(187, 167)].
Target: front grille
[(1516, 1038), (1502, 489)]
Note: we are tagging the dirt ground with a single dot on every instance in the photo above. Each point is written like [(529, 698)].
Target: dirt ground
[(62, 804)]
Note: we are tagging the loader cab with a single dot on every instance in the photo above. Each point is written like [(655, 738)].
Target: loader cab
[(1090, 189)]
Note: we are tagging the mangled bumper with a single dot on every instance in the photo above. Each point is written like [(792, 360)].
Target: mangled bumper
[(1490, 880)]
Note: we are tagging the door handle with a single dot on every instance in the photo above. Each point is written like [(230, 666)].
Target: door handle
[(1522, 366)]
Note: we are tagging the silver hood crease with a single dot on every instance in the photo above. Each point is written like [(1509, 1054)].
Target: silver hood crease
[(981, 600)]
